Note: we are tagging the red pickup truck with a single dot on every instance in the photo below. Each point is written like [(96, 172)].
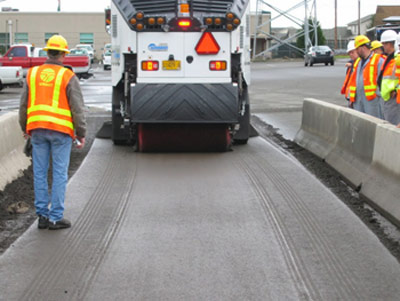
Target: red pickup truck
[(23, 55)]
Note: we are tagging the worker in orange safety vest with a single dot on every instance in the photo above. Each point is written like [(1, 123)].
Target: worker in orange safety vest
[(52, 115), (352, 52), (377, 47), (388, 81), (364, 92)]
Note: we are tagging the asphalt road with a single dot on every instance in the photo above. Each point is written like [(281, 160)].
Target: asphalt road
[(251, 224), (279, 88)]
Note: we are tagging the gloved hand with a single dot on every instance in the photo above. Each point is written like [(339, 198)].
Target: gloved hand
[(28, 147)]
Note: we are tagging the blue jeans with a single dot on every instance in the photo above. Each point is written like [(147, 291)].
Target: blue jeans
[(46, 142)]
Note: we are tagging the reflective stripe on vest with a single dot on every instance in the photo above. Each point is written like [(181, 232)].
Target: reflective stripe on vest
[(369, 75), (50, 115)]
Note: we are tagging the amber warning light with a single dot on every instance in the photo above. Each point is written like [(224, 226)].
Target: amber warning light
[(207, 44)]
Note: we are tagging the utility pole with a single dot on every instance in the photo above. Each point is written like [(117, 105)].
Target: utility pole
[(336, 46), (359, 17), (315, 24), (306, 29)]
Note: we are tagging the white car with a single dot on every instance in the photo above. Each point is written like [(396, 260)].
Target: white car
[(107, 60), (89, 49)]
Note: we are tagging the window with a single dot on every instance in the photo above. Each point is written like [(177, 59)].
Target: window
[(18, 52), (86, 38), (21, 37), (48, 35), (4, 39)]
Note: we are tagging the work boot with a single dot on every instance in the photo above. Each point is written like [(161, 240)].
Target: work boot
[(61, 224), (43, 222)]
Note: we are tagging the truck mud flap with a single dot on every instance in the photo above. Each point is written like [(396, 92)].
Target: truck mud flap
[(184, 103)]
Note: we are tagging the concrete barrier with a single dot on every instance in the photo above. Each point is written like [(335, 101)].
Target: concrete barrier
[(382, 182), (364, 149), (12, 159), (352, 154), (319, 128)]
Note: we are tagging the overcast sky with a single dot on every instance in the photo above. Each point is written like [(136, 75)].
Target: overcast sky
[(347, 9)]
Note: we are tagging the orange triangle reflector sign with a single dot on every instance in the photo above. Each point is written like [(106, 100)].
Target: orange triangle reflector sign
[(207, 44)]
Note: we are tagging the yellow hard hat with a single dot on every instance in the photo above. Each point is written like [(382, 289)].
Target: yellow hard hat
[(397, 60), (361, 40), (376, 44), (57, 42)]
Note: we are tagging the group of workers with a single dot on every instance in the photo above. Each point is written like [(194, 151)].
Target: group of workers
[(372, 78)]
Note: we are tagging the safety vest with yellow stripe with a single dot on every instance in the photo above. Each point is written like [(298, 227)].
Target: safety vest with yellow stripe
[(48, 106), (345, 87), (397, 73), (370, 76), (389, 79)]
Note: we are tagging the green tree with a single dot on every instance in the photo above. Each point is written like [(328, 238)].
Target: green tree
[(321, 37)]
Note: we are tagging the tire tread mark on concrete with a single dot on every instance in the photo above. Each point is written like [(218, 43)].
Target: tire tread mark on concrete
[(339, 274), (96, 261), (46, 279), (297, 269)]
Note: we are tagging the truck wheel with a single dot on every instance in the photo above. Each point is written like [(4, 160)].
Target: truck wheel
[(120, 133), (242, 136), (1, 86)]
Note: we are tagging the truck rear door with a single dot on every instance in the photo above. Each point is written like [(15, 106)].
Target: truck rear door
[(183, 57)]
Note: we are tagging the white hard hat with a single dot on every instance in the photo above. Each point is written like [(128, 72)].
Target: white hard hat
[(389, 36), (350, 46)]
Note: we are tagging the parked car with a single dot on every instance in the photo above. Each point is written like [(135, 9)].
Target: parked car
[(78, 52), (11, 77), (107, 60), (319, 54), (107, 47), (39, 52), (89, 49)]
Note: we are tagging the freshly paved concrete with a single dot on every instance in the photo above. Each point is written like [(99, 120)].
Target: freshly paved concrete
[(251, 224)]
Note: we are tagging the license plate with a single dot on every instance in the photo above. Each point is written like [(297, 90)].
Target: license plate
[(171, 65)]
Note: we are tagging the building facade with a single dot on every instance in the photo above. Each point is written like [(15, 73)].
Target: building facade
[(36, 28)]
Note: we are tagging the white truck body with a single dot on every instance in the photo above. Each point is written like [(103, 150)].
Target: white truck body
[(180, 62), (181, 44)]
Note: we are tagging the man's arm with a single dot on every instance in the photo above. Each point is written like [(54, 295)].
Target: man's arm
[(23, 107), (77, 106)]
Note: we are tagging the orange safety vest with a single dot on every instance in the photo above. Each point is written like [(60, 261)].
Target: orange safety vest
[(389, 79), (48, 106), (397, 73), (370, 76), (345, 87)]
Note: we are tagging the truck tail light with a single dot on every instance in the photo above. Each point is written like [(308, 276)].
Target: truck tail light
[(217, 65), (184, 23), (150, 65), (17, 73)]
